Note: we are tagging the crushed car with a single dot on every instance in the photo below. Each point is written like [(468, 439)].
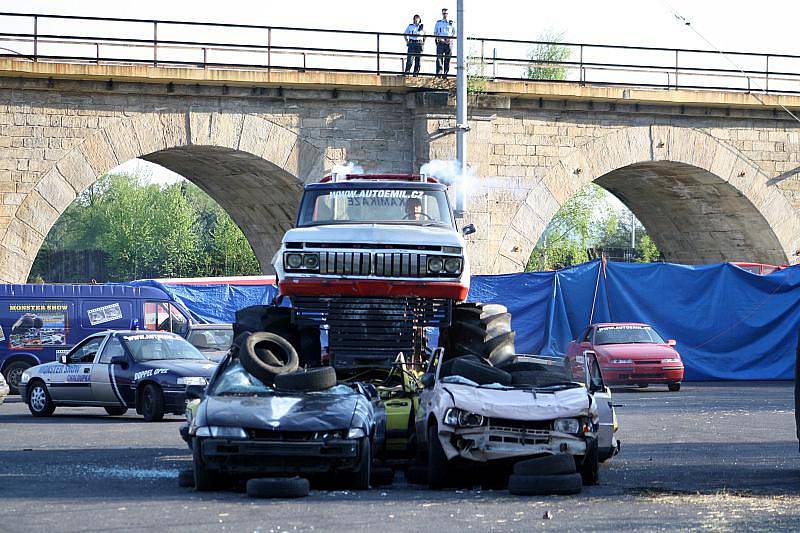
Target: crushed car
[(261, 415), (529, 407)]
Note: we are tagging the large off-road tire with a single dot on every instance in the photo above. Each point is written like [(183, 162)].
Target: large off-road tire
[(447, 366), (265, 355), (478, 329), (278, 320), (116, 411), (204, 479), (523, 485), (479, 372), (152, 403), (438, 467), (590, 466), (362, 475), (549, 465), (39, 401), (537, 378), (278, 487), (13, 373), (313, 379)]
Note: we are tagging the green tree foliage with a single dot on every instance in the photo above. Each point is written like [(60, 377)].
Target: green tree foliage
[(548, 51), (150, 231), (588, 220)]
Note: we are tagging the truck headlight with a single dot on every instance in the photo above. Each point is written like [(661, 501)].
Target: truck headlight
[(194, 380), (294, 260), (567, 425), (24, 378), (622, 361), (452, 265), (356, 433), (311, 261), (226, 432), (435, 265), (464, 419)]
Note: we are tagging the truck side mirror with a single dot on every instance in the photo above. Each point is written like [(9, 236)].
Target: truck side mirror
[(120, 360), (195, 392), (469, 229)]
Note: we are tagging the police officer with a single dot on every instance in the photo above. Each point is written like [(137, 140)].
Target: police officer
[(414, 40), (444, 29)]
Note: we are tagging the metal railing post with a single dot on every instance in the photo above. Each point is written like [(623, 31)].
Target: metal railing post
[(483, 61), (494, 63), (35, 38), (676, 69), (205, 57), (378, 54), (581, 75), (155, 44), (766, 89), (269, 49), (97, 52)]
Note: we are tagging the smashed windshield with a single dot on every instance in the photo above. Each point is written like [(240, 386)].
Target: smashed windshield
[(381, 205), (236, 381), (627, 335), (154, 347)]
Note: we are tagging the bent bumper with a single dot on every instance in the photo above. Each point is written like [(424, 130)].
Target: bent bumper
[(275, 457), (490, 443)]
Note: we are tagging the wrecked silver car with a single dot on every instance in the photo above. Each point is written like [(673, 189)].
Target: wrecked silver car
[(473, 412)]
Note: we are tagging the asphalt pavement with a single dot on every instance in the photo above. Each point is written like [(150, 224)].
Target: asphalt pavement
[(718, 456)]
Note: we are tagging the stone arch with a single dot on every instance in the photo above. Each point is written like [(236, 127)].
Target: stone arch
[(253, 167), (652, 166)]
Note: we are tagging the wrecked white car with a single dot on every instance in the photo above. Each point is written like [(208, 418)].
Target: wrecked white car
[(471, 412)]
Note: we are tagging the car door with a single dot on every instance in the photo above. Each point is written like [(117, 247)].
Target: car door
[(105, 380), (429, 380), (606, 441), (74, 383)]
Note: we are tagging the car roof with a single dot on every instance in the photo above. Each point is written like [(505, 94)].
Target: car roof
[(195, 327), (141, 332), (612, 324), (375, 184)]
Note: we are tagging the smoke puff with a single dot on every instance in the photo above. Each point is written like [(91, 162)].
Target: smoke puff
[(347, 168), (447, 172)]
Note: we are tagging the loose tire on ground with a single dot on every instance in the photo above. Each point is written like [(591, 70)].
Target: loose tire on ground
[(278, 487), (260, 351), (548, 465), (152, 403), (313, 379), (674, 387), (39, 401), (523, 485), (13, 373), (480, 373), (186, 478), (116, 411)]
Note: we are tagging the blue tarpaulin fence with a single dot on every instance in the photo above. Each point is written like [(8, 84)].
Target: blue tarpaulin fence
[(729, 323)]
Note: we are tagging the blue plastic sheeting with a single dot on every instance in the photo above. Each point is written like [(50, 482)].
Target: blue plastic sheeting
[(729, 323), (216, 304)]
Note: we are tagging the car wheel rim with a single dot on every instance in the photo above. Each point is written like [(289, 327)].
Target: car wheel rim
[(148, 401), (38, 399), (14, 376)]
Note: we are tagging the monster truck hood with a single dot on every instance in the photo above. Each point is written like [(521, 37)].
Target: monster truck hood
[(406, 234), (519, 404)]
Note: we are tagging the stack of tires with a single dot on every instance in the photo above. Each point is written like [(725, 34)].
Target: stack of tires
[(278, 320), (552, 474)]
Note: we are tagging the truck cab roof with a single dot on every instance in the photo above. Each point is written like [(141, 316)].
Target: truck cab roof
[(377, 183)]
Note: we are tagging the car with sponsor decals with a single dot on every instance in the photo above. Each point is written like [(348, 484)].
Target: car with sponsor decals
[(38, 323), (119, 370), (3, 389), (630, 354), (305, 422)]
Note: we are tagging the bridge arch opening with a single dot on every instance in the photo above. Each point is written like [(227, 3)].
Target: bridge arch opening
[(253, 168)]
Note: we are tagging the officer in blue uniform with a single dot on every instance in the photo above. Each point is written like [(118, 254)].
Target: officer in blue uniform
[(443, 33), (414, 41)]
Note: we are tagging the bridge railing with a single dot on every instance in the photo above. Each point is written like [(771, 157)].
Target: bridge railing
[(210, 45)]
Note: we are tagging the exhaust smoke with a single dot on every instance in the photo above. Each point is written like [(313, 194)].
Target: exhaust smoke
[(449, 173)]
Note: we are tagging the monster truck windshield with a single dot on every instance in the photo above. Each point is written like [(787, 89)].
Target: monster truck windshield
[(375, 205)]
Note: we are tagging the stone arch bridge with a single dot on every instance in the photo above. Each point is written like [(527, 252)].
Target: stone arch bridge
[(712, 175)]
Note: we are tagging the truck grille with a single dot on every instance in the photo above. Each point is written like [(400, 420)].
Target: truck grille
[(383, 264), (371, 331)]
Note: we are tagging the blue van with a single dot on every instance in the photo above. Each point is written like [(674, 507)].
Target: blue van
[(40, 322)]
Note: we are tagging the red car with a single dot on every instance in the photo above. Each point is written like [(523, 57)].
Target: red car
[(629, 353)]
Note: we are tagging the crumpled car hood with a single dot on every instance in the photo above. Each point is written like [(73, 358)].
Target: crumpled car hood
[(522, 404), (318, 412)]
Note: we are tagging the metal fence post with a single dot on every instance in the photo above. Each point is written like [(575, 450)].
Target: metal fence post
[(35, 37), (494, 63), (97, 52), (767, 75), (581, 75), (155, 44), (205, 57), (378, 41), (676, 69), (269, 49), (483, 61)]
